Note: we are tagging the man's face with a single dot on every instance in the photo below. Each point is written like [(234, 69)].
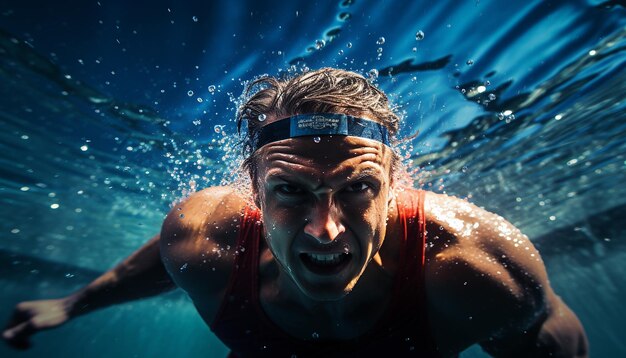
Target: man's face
[(325, 203)]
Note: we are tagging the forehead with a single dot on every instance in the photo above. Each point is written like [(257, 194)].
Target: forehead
[(325, 156)]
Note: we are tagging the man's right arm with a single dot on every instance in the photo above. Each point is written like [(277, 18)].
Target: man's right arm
[(187, 254), (140, 275)]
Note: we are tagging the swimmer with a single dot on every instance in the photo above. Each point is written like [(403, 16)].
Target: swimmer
[(330, 255)]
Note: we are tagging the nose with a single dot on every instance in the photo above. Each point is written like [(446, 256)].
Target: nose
[(323, 223)]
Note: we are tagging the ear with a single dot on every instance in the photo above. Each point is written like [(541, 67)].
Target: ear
[(256, 196), (391, 193)]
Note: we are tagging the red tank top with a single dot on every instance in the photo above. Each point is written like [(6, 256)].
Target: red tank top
[(403, 331)]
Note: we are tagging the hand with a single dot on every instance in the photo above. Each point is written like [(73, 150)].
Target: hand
[(33, 316)]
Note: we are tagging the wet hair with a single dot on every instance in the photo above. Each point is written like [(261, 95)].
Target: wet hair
[(326, 90)]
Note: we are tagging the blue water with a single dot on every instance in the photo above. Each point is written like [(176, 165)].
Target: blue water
[(108, 111)]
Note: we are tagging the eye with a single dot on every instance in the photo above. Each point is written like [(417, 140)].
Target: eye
[(287, 189), (357, 187)]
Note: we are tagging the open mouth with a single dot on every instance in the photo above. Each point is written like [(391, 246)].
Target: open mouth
[(325, 264)]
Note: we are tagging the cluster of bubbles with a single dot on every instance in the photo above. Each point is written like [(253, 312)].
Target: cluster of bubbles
[(506, 116)]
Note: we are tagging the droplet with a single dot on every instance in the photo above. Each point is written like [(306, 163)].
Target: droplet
[(373, 74), (262, 117), (190, 93), (319, 44), (317, 139), (419, 36), (211, 88), (380, 41)]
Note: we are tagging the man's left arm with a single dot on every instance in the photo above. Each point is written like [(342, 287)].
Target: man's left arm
[(558, 333), (488, 285)]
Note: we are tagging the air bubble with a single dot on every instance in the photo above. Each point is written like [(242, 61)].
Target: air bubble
[(317, 139), (469, 62), (419, 36), (373, 74), (190, 93), (211, 88), (262, 117), (492, 97), (319, 44), (380, 41), (195, 19), (349, 45)]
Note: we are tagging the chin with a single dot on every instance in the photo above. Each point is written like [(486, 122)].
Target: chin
[(326, 291), (326, 295)]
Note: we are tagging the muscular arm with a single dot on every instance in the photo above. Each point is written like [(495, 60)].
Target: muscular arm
[(140, 275), (487, 284), (198, 245), (557, 334)]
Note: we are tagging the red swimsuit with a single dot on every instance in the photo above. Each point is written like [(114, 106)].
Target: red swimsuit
[(242, 325)]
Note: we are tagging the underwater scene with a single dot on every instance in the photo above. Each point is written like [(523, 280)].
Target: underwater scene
[(111, 111)]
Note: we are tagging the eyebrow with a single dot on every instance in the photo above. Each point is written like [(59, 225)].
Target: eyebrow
[(365, 173)]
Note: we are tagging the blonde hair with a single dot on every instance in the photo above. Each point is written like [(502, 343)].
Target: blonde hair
[(326, 90)]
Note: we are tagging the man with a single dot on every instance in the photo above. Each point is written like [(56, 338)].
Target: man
[(330, 256)]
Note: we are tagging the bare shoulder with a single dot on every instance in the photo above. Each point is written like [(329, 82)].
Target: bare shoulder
[(198, 240), (482, 274)]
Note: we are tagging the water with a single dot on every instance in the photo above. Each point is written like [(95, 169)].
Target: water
[(519, 107)]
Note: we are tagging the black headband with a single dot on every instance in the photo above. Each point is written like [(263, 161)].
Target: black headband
[(319, 124)]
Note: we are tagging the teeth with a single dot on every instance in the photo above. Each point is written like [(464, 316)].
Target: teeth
[(325, 259)]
